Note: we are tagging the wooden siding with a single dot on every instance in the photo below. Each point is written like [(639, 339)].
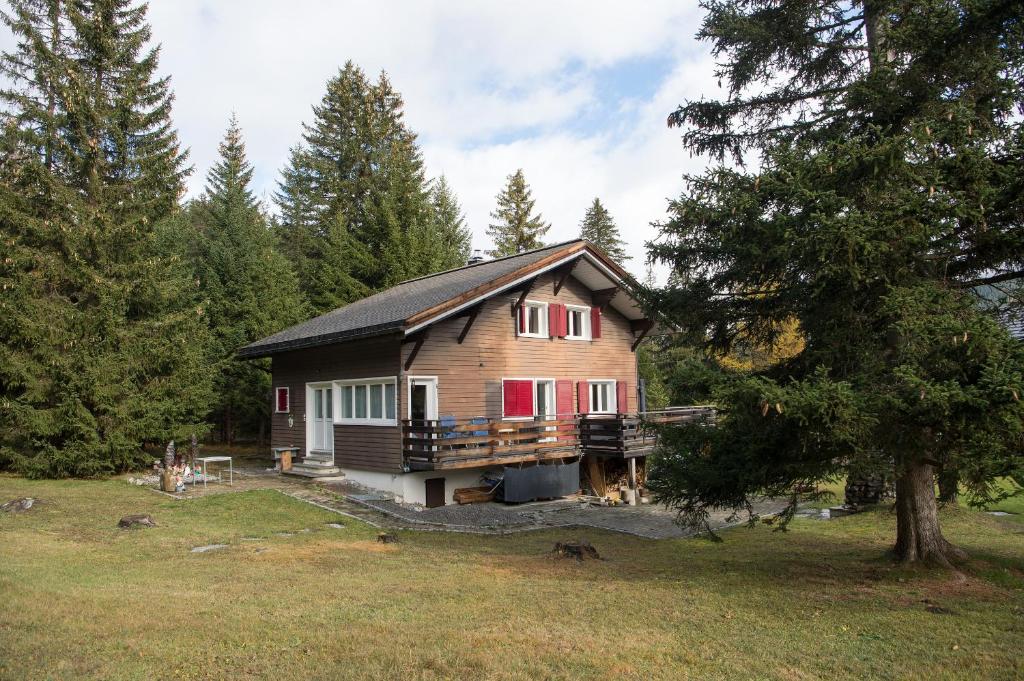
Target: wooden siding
[(367, 447), (470, 375)]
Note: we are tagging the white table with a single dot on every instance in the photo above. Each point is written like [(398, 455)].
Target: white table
[(208, 459)]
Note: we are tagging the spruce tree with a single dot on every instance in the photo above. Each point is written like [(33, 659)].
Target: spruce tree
[(515, 228), (250, 288), (599, 228), (446, 241), (102, 344), (884, 145), (353, 199)]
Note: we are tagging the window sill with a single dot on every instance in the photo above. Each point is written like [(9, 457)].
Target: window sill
[(534, 335), (578, 338), (366, 422)]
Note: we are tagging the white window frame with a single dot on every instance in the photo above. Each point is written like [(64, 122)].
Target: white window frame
[(586, 335), (287, 399), (613, 397), (533, 392), (383, 381), (542, 320)]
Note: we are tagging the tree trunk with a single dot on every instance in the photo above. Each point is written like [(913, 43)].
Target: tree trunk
[(918, 536), (949, 486)]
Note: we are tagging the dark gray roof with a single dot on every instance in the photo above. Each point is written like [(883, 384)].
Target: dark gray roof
[(386, 312)]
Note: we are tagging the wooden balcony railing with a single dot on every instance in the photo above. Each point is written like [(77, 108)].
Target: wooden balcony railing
[(468, 443), (464, 443), (629, 435)]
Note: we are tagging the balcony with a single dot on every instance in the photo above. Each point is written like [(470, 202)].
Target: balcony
[(450, 443), (630, 435)]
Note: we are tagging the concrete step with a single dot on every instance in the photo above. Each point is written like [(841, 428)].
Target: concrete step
[(313, 470)]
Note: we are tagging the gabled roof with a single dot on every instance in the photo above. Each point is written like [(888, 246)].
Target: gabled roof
[(414, 304)]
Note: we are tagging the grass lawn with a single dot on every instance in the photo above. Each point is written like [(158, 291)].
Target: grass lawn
[(82, 599)]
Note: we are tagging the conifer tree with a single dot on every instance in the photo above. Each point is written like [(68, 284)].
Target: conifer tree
[(515, 228), (599, 228), (884, 144), (446, 240), (353, 198), (250, 288), (102, 344)]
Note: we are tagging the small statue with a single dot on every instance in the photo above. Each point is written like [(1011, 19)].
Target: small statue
[(167, 474), (169, 456)]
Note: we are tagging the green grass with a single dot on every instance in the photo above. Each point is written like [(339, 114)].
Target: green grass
[(81, 599)]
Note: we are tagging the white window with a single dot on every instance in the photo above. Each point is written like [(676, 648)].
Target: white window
[(369, 401), (533, 319), (281, 400), (578, 322), (602, 397), (527, 398)]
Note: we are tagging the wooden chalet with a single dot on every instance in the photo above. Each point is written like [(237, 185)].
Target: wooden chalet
[(513, 367)]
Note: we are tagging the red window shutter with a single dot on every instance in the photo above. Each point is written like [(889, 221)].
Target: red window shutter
[(282, 400), (563, 407), (583, 397), (553, 319), (522, 319), (595, 322), (511, 398), (563, 399), (518, 398), (563, 321), (525, 398), (622, 397)]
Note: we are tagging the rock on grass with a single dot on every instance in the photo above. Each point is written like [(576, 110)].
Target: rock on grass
[(130, 522)]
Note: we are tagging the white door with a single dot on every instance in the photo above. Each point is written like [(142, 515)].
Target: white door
[(423, 399), (323, 419)]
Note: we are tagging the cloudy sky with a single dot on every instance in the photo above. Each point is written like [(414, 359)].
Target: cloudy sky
[(575, 93)]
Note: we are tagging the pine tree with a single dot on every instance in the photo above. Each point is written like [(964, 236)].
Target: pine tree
[(250, 288), (516, 229), (353, 198), (102, 346), (884, 186), (599, 228)]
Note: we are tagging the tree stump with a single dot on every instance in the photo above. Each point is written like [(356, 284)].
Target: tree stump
[(578, 550), (132, 521)]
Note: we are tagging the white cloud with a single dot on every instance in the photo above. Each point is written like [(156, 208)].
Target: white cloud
[(489, 87)]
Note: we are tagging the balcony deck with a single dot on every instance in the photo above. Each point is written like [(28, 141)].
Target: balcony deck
[(631, 435), (450, 443)]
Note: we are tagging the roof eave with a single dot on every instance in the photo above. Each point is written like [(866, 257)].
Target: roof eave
[(268, 349)]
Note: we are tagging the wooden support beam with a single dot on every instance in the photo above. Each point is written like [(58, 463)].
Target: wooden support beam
[(470, 318), (420, 337), (644, 326), (562, 274), (603, 297), (527, 287)]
